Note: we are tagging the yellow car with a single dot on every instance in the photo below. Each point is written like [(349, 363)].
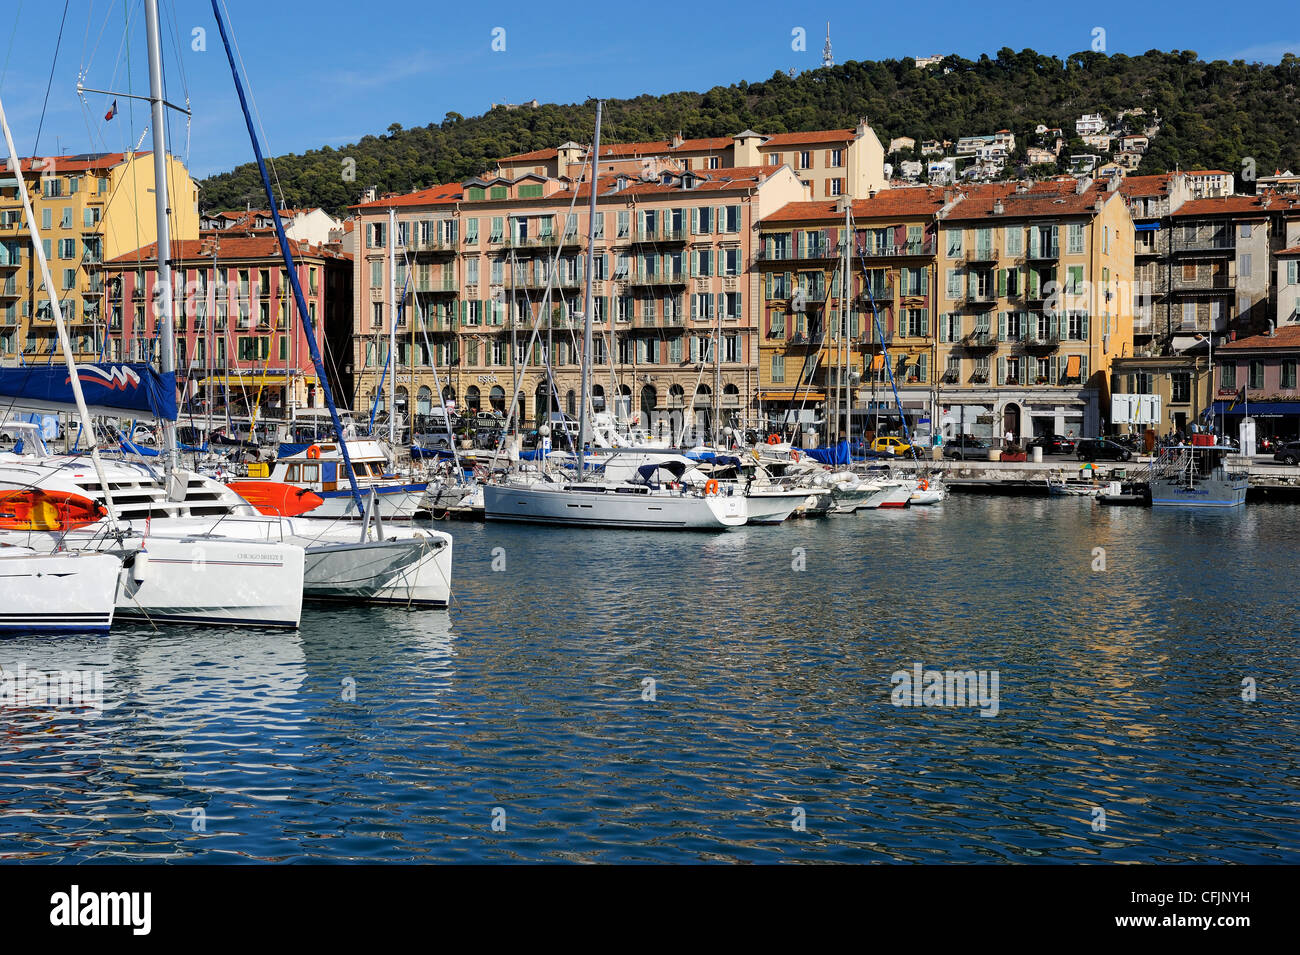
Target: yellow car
[(891, 445)]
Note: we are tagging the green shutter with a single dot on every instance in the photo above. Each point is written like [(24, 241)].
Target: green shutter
[(923, 367), (1002, 326), (1022, 369), (1002, 283), (1053, 365), (1002, 371), (740, 305), (943, 328), (1083, 368)]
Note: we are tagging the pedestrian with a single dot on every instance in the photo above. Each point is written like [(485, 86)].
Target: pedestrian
[(1009, 438)]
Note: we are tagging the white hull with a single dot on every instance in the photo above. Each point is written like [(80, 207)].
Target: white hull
[(865, 495), (64, 592), (410, 567), (399, 503), (612, 505), (775, 505)]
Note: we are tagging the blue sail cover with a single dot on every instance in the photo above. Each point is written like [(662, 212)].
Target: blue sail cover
[(109, 387), (834, 455)]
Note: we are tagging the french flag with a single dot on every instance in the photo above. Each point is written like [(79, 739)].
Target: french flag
[(112, 111)]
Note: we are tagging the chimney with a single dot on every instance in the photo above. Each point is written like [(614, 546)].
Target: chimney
[(871, 194), (998, 207)]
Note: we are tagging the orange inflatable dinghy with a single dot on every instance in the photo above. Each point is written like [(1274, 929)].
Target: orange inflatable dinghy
[(276, 499), (33, 509)]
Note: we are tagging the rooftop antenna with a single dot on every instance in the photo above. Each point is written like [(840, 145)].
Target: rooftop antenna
[(827, 58)]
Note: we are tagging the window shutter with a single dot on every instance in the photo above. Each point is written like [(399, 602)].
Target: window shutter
[(1054, 325), (1002, 371), (1033, 283), (695, 219), (925, 281), (1053, 364), (740, 307), (1002, 283), (717, 218), (1083, 368), (695, 307), (923, 367), (1022, 368), (1002, 326), (719, 304), (943, 328)]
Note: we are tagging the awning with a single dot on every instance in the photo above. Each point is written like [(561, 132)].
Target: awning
[(1146, 227), (1072, 366), (257, 381), (1271, 409), (792, 395)]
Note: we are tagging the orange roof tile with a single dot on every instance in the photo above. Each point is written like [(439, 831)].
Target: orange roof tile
[(1288, 336), (807, 139), (1133, 186), (1225, 205), (228, 248), (1055, 197), (82, 162), (913, 201), (435, 195)]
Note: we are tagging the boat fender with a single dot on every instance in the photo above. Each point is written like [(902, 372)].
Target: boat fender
[(140, 567), (711, 486), (313, 452), (773, 439)]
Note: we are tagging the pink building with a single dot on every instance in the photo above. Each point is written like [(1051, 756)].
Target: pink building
[(238, 332)]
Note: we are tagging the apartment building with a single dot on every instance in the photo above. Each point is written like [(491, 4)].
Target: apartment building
[(829, 162), (1033, 303), (239, 335), (675, 307), (89, 208), (822, 345), (1265, 367)]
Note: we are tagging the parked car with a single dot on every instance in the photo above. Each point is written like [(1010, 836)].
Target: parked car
[(966, 448), (891, 444), (1288, 453), (1052, 444), (1101, 449)]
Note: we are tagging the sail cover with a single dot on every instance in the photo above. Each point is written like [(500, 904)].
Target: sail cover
[(109, 387), (833, 455)]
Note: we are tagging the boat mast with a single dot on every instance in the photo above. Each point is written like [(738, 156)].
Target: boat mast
[(586, 307), (846, 326), (38, 249), (163, 287), (392, 321)]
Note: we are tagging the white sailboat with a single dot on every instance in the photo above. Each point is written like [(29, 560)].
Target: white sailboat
[(644, 503), (67, 591)]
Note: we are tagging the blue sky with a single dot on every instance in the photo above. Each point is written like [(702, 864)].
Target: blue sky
[(328, 72)]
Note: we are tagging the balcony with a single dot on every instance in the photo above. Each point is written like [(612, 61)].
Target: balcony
[(880, 294), (980, 299), (1042, 253), (641, 277), (1039, 342), (432, 246), (1209, 284), (896, 250), (980, 255), (438, 324), (664, 235), (979, 339), (1204, 244), (437, 288)]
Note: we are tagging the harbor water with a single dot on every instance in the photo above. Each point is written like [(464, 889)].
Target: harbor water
[(605, 696)]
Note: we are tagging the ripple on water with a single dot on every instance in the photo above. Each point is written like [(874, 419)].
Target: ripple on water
[(383, 735)]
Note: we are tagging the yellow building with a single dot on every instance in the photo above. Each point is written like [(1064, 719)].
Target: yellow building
[(1035, 299), (805, 352), (88, 208)]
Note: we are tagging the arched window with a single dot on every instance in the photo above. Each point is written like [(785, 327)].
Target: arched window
[(497, 398), (424, 400), (703, 396), (571, 404), (676, 396), (400, 399), (597, 397), (542, 403), (472, 398), (649, 399)]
